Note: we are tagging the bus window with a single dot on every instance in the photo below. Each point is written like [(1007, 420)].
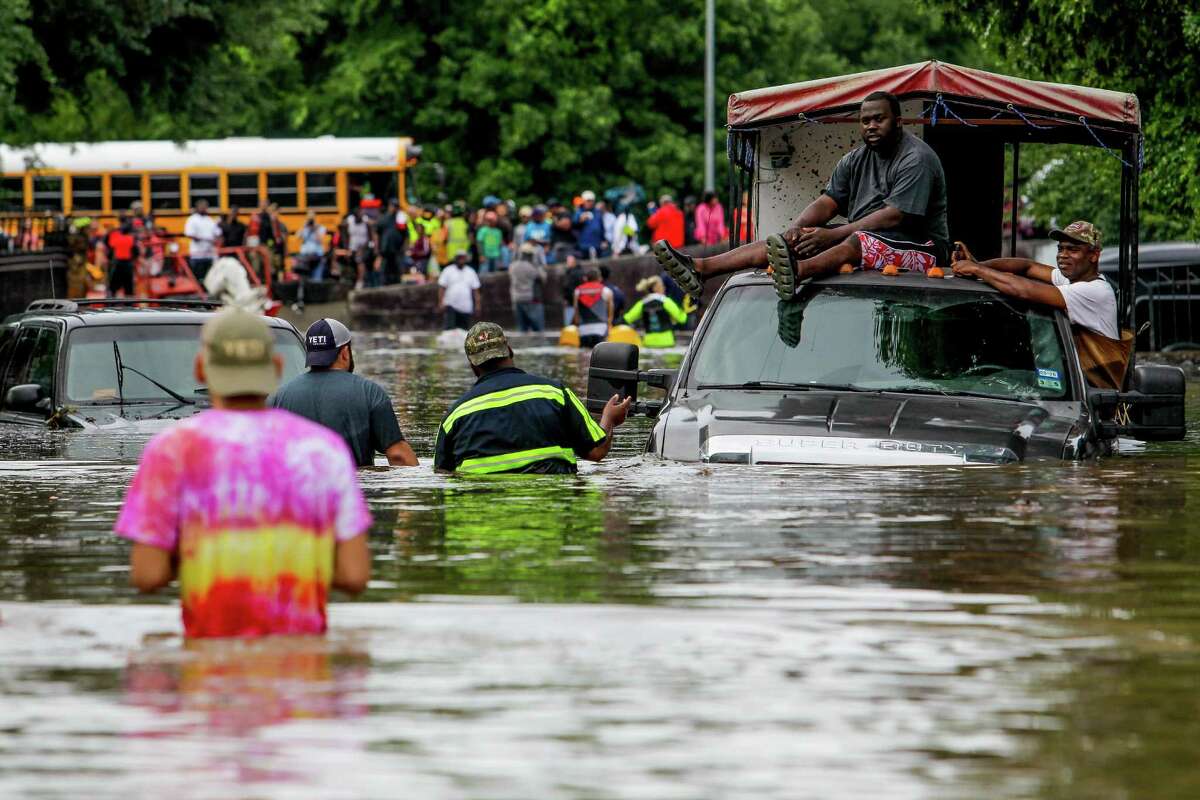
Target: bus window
[(380, 185), (47, 193), (281, 189), (164, 192), (243, 189), (320, 190), (12, 194), (205, 187), (125, 190), (86, 193)]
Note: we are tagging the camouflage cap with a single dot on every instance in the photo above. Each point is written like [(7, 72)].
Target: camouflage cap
[(485, 341), (1080, 231)]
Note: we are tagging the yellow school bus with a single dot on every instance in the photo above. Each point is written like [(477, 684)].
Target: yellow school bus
[(101, 180)]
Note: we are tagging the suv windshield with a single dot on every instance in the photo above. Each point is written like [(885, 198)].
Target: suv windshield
[(163, 354), (874, 339)]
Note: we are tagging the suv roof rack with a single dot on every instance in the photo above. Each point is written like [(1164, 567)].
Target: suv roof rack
[(53, 305), (118, 302)]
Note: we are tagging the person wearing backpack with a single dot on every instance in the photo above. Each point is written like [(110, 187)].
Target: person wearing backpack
[(657, 313)]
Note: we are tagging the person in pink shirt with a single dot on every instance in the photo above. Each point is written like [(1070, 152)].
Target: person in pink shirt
[(256, 510), (710, 220)]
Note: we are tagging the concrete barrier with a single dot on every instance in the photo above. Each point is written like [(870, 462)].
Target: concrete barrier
[(414, 307)]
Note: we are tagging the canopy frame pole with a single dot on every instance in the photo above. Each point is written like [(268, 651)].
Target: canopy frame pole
[(1016, 198), (1126, 278), (751, 185), (730, 207)]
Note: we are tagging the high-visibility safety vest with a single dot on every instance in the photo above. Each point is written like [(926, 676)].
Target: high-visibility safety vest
[(658, 314), (511, 421)]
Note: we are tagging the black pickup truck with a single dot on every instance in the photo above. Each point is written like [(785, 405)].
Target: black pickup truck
[(866, 369), (105, 364)]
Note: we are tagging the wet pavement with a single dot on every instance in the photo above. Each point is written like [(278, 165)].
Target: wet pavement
[(646, 630)]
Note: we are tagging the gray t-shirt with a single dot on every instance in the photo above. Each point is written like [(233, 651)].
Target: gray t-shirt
[(355, 408), (910, 179), (523, 276)]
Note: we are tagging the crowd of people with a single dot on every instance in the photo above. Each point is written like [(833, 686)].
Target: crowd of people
[(391, 245), (379, 244), (453, 246)]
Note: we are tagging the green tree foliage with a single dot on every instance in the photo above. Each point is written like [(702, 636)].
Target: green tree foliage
[(512, 97), (1148, 47)]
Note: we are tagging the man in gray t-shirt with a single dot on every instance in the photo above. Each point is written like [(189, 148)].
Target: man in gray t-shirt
[(892, 191), (359, 410)]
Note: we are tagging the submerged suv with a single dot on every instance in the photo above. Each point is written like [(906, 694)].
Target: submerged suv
[(864, 368), (106, 363)]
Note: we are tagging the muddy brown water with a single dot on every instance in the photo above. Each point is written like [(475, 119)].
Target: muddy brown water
[(646, 630)]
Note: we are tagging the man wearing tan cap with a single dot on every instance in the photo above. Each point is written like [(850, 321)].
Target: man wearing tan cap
[(1074, 286), (511, 421), (256, 510)]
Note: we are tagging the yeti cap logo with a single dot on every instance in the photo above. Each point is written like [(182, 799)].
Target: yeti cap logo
[(244, 349), (316, 340)]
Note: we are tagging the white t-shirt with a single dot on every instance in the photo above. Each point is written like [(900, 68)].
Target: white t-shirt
[(358, 232), (459, 283), (203, 231), (1091, 304)]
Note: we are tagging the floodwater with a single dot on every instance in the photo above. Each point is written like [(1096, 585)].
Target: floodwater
[(646, 630)]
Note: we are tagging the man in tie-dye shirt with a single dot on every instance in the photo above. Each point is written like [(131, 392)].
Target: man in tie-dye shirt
[(257, 510)]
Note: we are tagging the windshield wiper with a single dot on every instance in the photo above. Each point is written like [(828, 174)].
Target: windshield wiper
[(837, 387), (121, 367), (948, 392), (120, 378)]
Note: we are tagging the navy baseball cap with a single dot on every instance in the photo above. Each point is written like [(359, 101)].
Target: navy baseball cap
[(323, 339)]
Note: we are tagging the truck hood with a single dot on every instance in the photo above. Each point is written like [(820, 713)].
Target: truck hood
[(863, 428), (133, 418)]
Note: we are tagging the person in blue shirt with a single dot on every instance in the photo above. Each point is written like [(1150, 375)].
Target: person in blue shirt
[(589, 228), (537, 229)]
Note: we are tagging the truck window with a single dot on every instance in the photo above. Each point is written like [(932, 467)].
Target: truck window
[(43, 361), (875, 339), (18, 365)]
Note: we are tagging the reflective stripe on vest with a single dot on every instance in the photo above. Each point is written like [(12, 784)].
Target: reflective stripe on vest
[(595, 430), (507, 397), (511, 461)]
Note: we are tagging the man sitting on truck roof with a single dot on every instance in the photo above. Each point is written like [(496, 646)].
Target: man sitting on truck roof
[(1074, 286), (891, 189)]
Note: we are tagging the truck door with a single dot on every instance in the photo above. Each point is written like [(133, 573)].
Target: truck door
[(34, 359)]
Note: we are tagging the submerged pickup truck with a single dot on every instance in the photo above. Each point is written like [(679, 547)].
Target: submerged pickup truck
[(109, 364), (863, 368)]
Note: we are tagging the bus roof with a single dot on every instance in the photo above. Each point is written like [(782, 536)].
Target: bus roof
[(248, 153)]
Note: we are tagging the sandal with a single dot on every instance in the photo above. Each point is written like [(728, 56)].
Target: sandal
[(679, 267), (783, 267)]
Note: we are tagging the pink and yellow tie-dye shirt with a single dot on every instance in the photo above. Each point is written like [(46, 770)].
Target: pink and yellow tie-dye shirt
[(252, 502)]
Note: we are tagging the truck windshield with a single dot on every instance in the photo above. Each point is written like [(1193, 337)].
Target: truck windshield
[(152, 354), (890, 339)]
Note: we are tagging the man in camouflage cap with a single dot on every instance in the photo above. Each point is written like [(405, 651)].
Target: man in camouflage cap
[(511, 421), (1074, 285)]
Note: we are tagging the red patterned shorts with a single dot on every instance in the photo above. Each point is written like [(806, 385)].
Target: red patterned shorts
[(879, 250)]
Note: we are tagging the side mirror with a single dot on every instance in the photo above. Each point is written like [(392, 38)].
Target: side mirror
[(1151, 411), (614, 370), (29, 397)]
